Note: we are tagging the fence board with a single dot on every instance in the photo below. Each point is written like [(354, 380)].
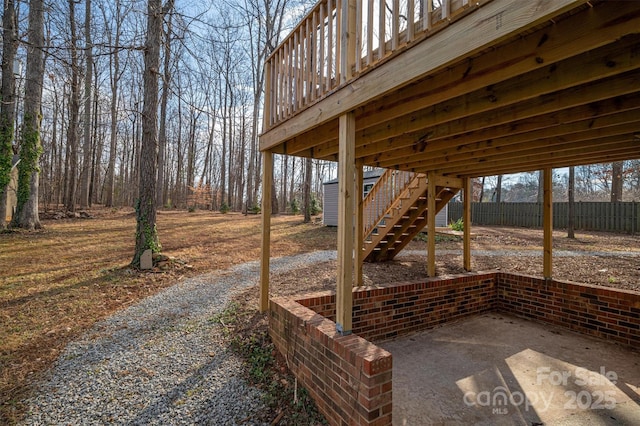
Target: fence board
[(591, 216)]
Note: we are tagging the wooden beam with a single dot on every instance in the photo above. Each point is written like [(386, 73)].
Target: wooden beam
[(584, 69), (359, 224), (466, 38), (616, 146), (449, 182), (346, 200), (510, 152), (467, 196), (535, 129), (431, 225), (267, 181), (548, 222)]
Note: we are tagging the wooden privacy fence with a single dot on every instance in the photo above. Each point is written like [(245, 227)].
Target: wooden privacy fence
[(593, 216)]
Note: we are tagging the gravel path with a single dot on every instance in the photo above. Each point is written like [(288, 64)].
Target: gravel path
[(161, 361)]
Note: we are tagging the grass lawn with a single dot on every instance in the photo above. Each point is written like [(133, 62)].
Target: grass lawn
[(57, 282)]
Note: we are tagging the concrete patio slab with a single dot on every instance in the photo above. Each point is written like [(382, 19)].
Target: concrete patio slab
[(496, 369)]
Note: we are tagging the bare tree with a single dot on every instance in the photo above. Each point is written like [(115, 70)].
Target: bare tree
[(166, 83), (616, 181), (146, 232), (74, 112), (572, 201), (30, 144), (8, 105), (306, 197), (85, 176)]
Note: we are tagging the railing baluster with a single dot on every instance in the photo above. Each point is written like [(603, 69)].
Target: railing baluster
[(381, 29), (358, 49), (370, 33), (314, 56), (395, 25), (428, 15), (410, 20), (307, 68), (322, 47), (331, 50)]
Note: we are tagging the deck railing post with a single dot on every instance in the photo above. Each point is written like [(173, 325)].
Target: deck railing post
[(347, 39)]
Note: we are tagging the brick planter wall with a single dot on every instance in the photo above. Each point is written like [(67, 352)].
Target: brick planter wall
[(350, 378), (598, 311)]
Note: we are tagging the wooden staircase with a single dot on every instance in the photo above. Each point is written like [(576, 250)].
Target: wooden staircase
[(395, 211)]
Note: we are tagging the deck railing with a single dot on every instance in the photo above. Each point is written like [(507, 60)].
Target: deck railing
[(340, 39), (383, 194)]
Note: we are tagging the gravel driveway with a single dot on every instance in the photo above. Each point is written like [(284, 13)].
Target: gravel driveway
[(161, 361)]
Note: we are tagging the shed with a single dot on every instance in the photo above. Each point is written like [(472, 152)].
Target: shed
[(330, 199)]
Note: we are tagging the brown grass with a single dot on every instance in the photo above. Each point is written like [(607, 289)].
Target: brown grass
[(56, 283)]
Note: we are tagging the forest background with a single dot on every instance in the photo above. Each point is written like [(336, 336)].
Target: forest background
[(209, 105)]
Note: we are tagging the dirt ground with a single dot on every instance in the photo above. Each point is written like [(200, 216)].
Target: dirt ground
[(599, 258)]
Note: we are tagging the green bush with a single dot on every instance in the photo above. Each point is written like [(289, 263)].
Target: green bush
[(255, 209), (458, 225), (295, 206), (224, 208), (315, 206)]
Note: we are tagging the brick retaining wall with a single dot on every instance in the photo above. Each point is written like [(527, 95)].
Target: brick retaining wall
[(350, 377), (598, 311), (383, 312)]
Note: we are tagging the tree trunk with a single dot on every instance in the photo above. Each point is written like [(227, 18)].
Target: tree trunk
[(74, 112), (30, 143), (8, 105), (85, 177), (499, 189), (572, 203), (307, 190), (162, 137), (146, 232), (616, 181), (114, 70), (540, 196)]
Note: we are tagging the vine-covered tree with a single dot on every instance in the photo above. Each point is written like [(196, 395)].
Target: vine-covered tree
[(8, 104), (30, 144), (146, 232)]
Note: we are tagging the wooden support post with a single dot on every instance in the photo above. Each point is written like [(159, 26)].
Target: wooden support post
[(359, 225), (467, 194), (431, 224), (346, 193), (548, 223), (267, 182)]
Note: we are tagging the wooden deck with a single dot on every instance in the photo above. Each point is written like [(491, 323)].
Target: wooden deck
[(452, 89), (481, 88)]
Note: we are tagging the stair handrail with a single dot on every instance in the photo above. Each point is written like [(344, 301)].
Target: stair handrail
[(382, 196)]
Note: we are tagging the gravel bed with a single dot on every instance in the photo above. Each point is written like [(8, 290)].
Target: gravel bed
[(161, 361)]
